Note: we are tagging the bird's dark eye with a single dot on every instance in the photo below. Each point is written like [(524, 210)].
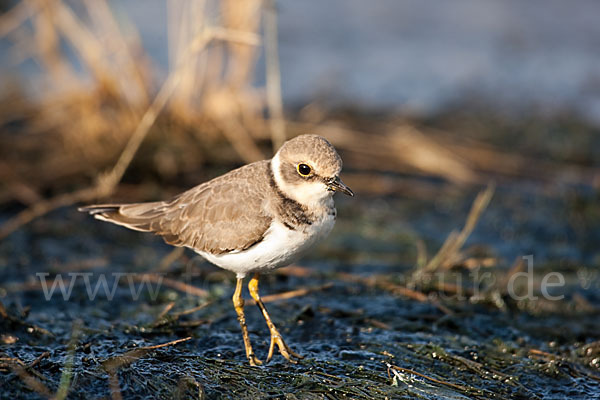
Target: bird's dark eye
[(304, 169)]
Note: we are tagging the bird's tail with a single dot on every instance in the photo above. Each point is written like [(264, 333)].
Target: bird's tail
[(143, 217)]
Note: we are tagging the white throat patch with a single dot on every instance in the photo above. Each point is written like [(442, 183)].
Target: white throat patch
[(307, 193)]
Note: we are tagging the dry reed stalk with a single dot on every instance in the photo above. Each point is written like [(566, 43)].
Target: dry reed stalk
[(432, 152), (229, 102), (231, 108), (395, 369), (382, 282), (177, 285), (185, 22), (449, 254), (244, 16), (67, 369), (402, 148), (15, 17), (111, 179), (107, 182), (18, 368), (17, 188), (45, 206), (116, 362), (169, 259), (233, 129), (220, 101), (485, 158), (274, 100), (113, 364), (47, 42), (106, 53), (168, 307), (219, 33), (83, 40), (192, 310), (131, 74), (291, 294), (70, 107)]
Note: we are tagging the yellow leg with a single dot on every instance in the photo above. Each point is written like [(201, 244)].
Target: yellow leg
[(276, 338), (238, 303)]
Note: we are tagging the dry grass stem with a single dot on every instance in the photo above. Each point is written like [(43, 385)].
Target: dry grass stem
[(67, 369), (86, 44), (485, 158), (35, 362), (296, 270), (382, 282), (164, 312), (135, 86), (396, 369), (448, 255), (274, 101), (403, 149), (112, 365), (15, 17), (192, 310), (291, 294), (17, 366), (116, 362), (169, 259), (108, 181), (45, 206), (173, 284), (3, 312)]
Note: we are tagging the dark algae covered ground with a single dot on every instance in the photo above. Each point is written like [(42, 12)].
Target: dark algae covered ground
[(369, 324)]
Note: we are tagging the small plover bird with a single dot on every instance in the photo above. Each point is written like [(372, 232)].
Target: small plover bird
[(251, 220)]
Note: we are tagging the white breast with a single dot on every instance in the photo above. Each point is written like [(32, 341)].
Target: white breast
[(280, 247)]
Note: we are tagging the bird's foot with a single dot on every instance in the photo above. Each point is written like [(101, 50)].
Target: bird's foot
[(254, 361), (284, 349)]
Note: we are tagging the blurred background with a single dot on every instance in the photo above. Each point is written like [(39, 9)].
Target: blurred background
[(139, 99), (469, 131)]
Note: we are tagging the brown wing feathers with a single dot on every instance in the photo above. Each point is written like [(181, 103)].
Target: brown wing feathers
[(223, 215), (138, 216)]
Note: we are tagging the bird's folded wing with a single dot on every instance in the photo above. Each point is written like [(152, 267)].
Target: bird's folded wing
[(217, 219), (223, 215)]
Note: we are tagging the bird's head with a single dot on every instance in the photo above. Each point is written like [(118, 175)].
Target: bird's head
[(307, 169)]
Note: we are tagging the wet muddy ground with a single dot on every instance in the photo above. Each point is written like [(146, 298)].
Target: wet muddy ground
[(365, 330)]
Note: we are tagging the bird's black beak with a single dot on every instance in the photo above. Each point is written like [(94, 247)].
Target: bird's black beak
[(336, 185)]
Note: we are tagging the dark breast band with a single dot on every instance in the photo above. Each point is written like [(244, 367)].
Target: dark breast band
[(293, 214)]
